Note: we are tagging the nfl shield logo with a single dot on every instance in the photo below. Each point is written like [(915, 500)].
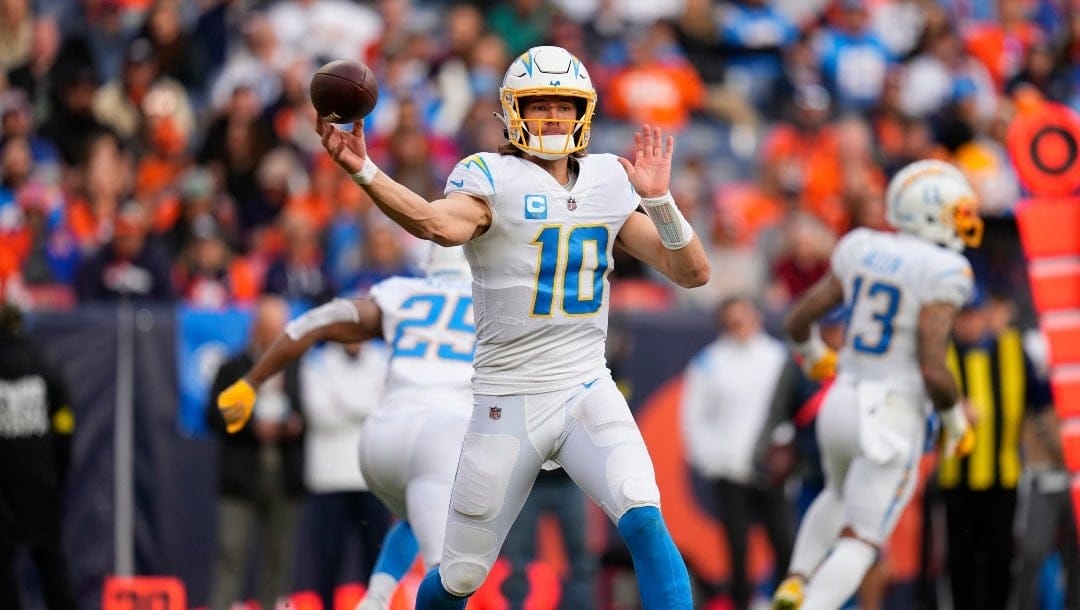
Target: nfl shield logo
[(495, 413), (571, 204)]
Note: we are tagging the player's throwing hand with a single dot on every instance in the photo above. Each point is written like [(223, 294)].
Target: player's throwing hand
[(347, 148)]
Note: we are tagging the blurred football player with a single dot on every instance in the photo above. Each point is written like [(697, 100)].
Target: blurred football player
[(409, 446), (903, 290), (539, 220)]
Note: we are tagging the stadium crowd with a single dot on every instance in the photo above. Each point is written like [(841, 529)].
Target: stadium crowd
[(165, 150)]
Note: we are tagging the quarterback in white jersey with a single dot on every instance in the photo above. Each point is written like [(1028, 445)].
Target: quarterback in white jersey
[(409, 446), (539, 221), (903, 290)]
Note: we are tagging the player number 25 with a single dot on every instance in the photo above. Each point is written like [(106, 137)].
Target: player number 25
[(436, 304), (582, 287), (887, 302)]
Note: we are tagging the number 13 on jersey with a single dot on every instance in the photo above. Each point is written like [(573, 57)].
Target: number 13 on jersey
[(571, 262)]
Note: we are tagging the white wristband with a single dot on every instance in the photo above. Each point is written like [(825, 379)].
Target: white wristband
[(675, 231), (366, 173), (813, 349), (953, 419)]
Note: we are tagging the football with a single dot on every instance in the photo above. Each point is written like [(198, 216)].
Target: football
[(343, 91)]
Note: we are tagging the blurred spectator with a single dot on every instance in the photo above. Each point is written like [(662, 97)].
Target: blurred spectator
[(292, 114), (342, 385), (899, 23), (415, 156), (38, 246), (104, 181), (1048, 523), (986, 163), (740, 212), (198, 195), (261, 472), (658, 86), (236, 140), (753, 34), (450, 70), (1002, 43), (180, 56), (16, 164), (140, 89), (208, 274), (324, 29), (553, 493), (801, 161), (297, 272), (35, 448), (16, 33), (129, 266), (999, 384), (71, 125), (521, 23), (34, 76), (889, 123), (803, 258), (854, 61), (109, 26), (861, 178), (801, 72), (725, 409), (17, 121), (699, 36), (253, 67), (383, 255)]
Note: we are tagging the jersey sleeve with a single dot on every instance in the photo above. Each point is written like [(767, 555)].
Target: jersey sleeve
[(474, 175), (845, 255), (387, 293), (953, 283)]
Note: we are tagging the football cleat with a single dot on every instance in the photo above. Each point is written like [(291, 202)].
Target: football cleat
[(789, 595)]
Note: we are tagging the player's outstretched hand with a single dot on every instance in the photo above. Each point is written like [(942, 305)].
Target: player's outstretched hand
[(347, 148), (650, 173), (236, 403)]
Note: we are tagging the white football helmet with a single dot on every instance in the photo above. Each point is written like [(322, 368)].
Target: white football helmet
[(932, 200), (547, 71), (446, 262)]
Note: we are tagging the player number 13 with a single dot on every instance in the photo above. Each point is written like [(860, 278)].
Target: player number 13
[(562, 267), (886, 299)]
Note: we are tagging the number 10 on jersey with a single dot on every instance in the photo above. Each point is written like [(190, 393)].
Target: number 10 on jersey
[(571, 262)]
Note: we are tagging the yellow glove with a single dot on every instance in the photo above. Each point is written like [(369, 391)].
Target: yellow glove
[(823, 367), (957, 436), (236, 403), (816, 359)]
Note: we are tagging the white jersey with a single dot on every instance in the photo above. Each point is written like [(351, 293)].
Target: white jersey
[(540, 272), (428, 325), (887, 279)]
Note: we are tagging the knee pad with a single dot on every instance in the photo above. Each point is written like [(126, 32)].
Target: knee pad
[(467, 558), (630, 479), (483, 475)]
